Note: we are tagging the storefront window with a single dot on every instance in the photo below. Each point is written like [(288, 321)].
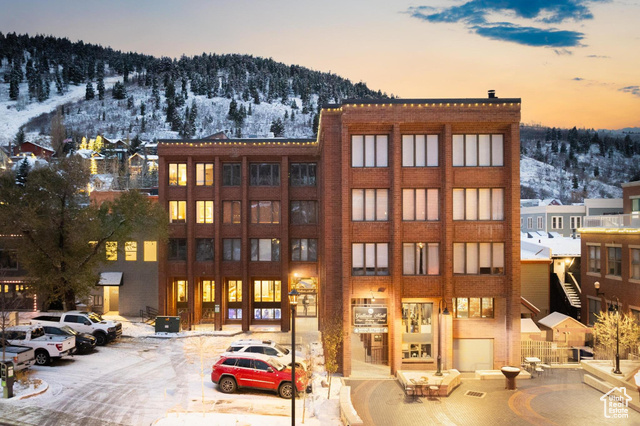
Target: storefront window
[(208, 291), (182, 290), (417, 332), (235, 291)]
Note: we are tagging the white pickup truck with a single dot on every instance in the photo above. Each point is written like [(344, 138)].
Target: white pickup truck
[(21, 356), (83, 322), (46, 347)]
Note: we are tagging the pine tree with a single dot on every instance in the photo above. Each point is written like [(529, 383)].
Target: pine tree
[(316, 123), (277, 127), (100, 87), (23, 172), (596, 171), (119, 91), (89, 93), (14, 87), (19, 137), (143, 108), (130, 102)]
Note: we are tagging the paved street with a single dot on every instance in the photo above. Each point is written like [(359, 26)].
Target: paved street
[(559, 398)]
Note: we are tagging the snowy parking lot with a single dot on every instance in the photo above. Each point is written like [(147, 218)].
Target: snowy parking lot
[(142, 379)]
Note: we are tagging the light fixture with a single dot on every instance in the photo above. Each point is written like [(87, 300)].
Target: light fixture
[(597, 287)]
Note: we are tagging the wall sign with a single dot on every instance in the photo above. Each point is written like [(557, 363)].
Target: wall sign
[(370, 316)]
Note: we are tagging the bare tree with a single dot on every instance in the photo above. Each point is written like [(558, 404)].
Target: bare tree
[(307, 377), (58, 133), (197, 351)]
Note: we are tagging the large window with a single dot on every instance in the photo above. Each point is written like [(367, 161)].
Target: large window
[(150, 251), (420, 258), (9, 259), (420, 204), (635, 263), (635, 205), (304, 249), (111, 248), (267, 291), (177, 174), (182, 290), (473, 307), (575, 222), (369, 204), (478, 204), (478, 258), (204, 211), (304, 212), (265, 249), (131, 251), (265, 212), (264, 174), (594, 258), (177, 249), (369, 151), (556, 222), (529, 222), (208, 290), (204, 249), (231, 212), (540, 222), (370, 259), (204, 174), (235, 291), (231, 249), (302, 174), (614, 261), (417, 331), (231, 174), (478, 150), (177, 211), (595, 306), (419, 150)]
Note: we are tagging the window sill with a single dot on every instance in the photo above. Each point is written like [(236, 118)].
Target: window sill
[(594, 274), (634, 280), (614, 277)]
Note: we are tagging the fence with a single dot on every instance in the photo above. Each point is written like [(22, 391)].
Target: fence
[(547, 352)]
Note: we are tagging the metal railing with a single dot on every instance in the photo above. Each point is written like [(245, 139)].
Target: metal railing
[(612, 221)]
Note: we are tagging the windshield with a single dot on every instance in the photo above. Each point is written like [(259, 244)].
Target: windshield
[(282, 349), (276, 364), (68, 330), (94, 317)]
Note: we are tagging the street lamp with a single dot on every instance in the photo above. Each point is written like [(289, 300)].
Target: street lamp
[(293, 301), (617, 369), (440, 314), (597, 286)]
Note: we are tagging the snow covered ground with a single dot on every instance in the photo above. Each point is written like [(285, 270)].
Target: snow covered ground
[(143, 379)]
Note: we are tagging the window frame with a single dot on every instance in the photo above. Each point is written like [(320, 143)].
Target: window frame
[(176, 209), (481, 303), (231, 174), (303, 169), (204, 174), (494, 268), (473, 141), (411, 214), (233, 244), (557, 222), (634, 262), (410, 144), (297, 247), (594, 258), (467, 194), (208, 211), (413, 246), (615, 261), (177, 249), (382, 139), (310, 215), (256, 212), (366, 261), (210, 254), (177, 174), (540, 222), (366, 195), (257, 244), (257, 178), (230, 210)]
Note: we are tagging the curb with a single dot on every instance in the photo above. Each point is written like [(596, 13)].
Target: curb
[(36, 393)]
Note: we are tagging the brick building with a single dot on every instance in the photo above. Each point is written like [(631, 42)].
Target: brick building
[(611, 252), (401, 218)]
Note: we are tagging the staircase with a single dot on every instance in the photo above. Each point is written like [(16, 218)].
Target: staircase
[(149, 315), (572, 290)]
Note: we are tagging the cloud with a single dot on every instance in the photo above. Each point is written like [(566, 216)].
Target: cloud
[(598, 56), (577, 79), (634, 90), (474, 14)]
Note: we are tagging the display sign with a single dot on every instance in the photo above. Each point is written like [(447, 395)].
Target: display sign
[(359, 330), (216, 309), (369, 316)]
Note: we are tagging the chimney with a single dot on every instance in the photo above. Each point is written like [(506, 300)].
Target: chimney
[(492, 94)]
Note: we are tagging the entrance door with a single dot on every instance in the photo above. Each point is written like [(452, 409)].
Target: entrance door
[(114, 296), (472, 354), (233, 291), (181, 289), (208, 288)]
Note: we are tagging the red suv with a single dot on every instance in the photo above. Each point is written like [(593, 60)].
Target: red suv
[(246, 370)]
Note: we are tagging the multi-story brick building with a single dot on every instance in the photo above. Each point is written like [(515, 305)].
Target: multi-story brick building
[(400, 218), (611, 251)]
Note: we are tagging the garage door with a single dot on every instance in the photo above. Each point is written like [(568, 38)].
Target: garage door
[(472, 354)]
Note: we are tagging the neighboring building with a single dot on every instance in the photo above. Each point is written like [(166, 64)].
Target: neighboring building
[(563, 329), (13, 278), (401, 212), (611, 252), (551, 216), (33, 148)]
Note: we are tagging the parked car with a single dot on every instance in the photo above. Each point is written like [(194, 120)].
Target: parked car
[(267, 347), (84, 322), (85, 343), (21, 356), (45, 347), (249, 370)]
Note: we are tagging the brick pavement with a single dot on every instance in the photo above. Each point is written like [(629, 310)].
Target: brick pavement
[(555, 399)]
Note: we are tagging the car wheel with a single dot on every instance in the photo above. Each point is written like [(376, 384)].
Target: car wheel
[(227, 385), (42, 358), (101, 339), (285, 390)]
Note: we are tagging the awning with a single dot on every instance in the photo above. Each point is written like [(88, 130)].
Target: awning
[(110, 278)]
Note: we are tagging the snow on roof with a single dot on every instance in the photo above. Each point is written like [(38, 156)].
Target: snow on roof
[(550, 202), (528, 326), (559, 246), (532, 251), (555, 318)]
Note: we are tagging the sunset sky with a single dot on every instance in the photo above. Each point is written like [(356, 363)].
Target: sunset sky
[(573, 62)]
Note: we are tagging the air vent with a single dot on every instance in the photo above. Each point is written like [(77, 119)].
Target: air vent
[(475, 394)]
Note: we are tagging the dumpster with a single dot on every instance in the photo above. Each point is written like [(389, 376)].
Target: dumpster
[(167, 324)]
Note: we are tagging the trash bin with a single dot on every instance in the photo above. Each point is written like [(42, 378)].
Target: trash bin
[(167, 324), (510, 374)]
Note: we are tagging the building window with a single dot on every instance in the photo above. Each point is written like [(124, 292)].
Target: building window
[(635, 205), (182, 289), (420, 204), (177, 249), (417, 331), (264, 174), (478, 150), (9, 259), (302, 174), (304, 250), (369, 205), (635, 313), (304, 212), (150, 251), (556, 222), (529, 223), (231, 174), (230, 212), (235, 291), (540, 221), (112, 250), (594, 258), (231, 249), (131, 251), (369, 151), (265, 249), (177, 174), (204, 211), (478, 204), (421, 258), (635, 263), (419, 150), (478, 258), (473, 307), (370, 259), (614, 261), (575, 222), (595, 307), (208, 290), (267, 291), (204, 174), (265, 212), (177, 211), (521, 222), (204, 249)]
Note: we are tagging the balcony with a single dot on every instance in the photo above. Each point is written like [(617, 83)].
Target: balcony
[(619, 223)]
